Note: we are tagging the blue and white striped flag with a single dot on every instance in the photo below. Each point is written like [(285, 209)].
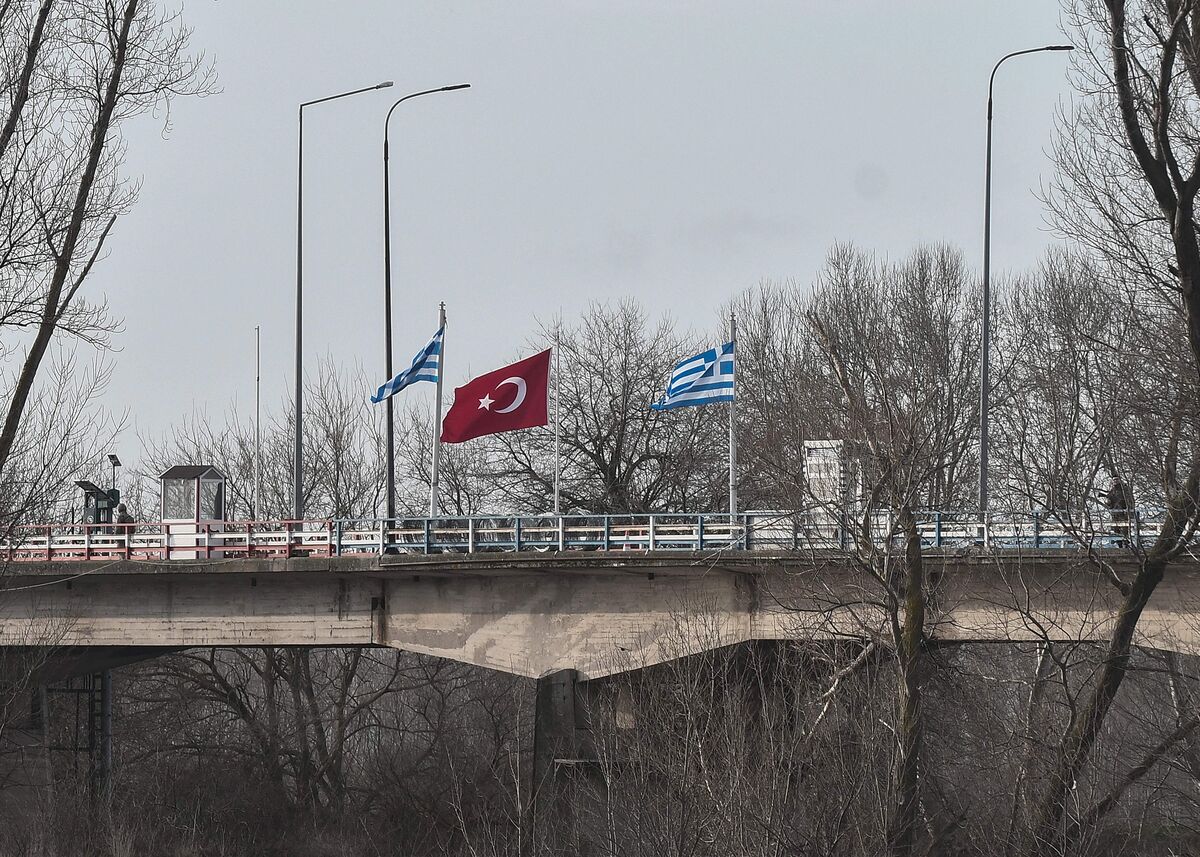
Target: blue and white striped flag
[(425, 367), (700, 380)]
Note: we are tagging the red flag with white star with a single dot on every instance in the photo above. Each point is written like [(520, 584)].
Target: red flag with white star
[(504, 400)]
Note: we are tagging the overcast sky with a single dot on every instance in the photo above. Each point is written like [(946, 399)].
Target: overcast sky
[(675, 152)]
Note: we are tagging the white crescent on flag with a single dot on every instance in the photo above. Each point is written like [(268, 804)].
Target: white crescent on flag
[(519, 383), (477, 408)]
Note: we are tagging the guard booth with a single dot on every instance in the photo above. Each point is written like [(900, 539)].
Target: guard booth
[(98, 504), (193, 507)]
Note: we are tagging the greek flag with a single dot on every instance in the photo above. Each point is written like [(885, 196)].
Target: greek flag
[(425, 367), (700, 380)]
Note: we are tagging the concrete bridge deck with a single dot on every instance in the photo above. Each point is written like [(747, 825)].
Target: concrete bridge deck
[(594, 612)]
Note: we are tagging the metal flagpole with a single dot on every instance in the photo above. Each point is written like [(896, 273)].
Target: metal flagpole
[(437, 421), (257, 424), (557, 422), (732, 416)]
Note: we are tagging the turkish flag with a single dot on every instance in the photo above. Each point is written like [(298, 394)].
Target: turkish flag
[(510, 398)]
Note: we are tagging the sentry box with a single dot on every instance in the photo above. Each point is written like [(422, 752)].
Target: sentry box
[(193, 493), (193, 505)]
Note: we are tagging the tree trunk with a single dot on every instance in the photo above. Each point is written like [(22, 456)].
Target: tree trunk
[(274, 746), (1020, 809), (1174, 195), (902, 827), (1181, 733), (66, 254), (306, 791), (1077, 744), (21, 96), (322, 768)]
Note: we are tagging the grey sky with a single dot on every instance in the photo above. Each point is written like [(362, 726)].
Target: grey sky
[(674, 152)]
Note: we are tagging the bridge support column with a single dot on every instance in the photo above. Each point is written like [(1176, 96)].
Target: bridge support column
[(559, 730), (553, 730)]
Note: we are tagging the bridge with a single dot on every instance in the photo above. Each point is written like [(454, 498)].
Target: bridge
[(564, 600), (594, 594)]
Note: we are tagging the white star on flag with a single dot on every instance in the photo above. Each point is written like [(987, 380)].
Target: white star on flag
[(485, 404)]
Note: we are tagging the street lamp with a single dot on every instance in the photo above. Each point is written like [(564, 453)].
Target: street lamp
[(298, 463), (987, 294), (387, 295), (115, 462)]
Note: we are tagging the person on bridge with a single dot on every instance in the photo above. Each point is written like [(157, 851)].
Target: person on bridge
[(1119, 500), (124, 521)]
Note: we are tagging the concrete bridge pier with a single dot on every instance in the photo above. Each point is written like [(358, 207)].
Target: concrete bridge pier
[(554, 726), (563, 760)]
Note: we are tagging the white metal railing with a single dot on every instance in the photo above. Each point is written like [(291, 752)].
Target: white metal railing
[(792, 531)]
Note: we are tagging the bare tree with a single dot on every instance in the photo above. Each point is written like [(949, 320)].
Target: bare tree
[(618, 455), (343, 432), (62, 439), (898, 343), (324, 730), (780, 396), (466, 484), (1070, 400), (1129, 162), (74, 71)]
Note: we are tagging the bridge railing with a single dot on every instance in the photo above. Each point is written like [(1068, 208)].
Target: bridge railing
[(806, 530)]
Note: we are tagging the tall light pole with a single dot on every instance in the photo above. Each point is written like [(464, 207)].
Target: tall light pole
[(258, 516), (387, 295), (987, 285), (298, 462)]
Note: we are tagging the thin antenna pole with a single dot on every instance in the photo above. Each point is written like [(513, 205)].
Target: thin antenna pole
[(733, 504), (437, 421), (257, 422), (557, 421)]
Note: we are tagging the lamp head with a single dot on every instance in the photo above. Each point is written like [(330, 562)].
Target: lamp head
[(1060, 47), (456, 86), (383, 85)]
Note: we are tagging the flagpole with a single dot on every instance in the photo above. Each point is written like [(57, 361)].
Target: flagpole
[(732, 417), (557, 422), (437, 421), (257, 424)]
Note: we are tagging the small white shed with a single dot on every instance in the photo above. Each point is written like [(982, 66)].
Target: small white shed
[(192, 493), (193, 508)]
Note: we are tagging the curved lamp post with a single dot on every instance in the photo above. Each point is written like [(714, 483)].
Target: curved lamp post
[(987, 295), (387, 295), (298, 461)]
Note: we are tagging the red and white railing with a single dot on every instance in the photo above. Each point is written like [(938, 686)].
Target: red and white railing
[(665, 532)]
